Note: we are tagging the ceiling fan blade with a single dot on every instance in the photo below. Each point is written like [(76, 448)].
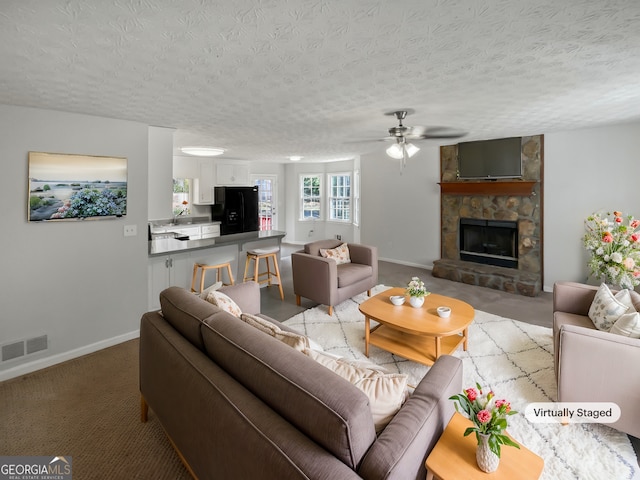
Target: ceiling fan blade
[(436, 132), (385, 139)]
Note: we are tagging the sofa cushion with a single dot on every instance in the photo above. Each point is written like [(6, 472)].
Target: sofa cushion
[(339, 254), (318, 402), (386, 391), (295, 340), (350, 273), (186, 312), (313, 248), (606, 307)]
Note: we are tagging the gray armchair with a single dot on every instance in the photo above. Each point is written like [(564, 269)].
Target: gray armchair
[(593, 365), (324, 281)]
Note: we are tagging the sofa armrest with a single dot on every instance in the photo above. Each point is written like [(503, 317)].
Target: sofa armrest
[(246, 295), (314, 277), (597, 366), (571, 297), (363, 254), (403, 446)]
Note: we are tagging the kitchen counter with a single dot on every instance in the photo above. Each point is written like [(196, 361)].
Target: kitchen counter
[(165, 246)]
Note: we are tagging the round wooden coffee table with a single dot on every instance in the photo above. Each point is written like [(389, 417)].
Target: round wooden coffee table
[(417, 334)]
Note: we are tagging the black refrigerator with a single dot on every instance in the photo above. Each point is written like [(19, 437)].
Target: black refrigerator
[(236, 208)]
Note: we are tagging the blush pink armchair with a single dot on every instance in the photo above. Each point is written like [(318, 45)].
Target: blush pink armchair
[(593, 365), (324, 281)]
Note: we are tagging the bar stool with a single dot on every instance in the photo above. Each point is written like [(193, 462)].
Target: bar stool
[(203, 267), (266, 253)]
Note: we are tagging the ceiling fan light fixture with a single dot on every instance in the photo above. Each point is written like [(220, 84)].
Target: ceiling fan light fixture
[(396, 150), (203, 151), (411, 149)]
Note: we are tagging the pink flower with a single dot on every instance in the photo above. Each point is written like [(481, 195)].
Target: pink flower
[(628, 263), (635, 224), (500, 403), (618, 219), (472, 394), (607, 238), (484, 416), (636, 274), (635, 237)]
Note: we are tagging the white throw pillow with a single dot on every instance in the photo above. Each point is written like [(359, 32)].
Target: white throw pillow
[(224, 302), (627, 325), (339, 254), (386, 391), (606, 307), (205, 293), (295, 340)]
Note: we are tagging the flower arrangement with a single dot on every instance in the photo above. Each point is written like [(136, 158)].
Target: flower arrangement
[(489, 416), (614, 245), (416, 288), (181, 211)]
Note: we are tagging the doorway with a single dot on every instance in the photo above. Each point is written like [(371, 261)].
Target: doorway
[(267, 201)]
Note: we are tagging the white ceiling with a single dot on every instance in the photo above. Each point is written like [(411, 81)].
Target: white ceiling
[(265, 79)]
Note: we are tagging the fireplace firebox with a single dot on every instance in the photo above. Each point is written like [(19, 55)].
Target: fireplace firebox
[(491, 242)]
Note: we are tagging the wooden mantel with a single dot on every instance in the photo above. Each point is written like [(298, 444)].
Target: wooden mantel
[(520, 188)]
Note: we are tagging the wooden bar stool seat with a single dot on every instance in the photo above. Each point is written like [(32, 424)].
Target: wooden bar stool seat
[(203, 267), (263, 253)]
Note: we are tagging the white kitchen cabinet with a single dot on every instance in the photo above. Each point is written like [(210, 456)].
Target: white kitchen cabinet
[(165, 271), (232, 174), (203, 183), (210, 231)]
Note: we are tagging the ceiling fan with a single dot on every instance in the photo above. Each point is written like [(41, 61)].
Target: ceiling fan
[(402, 149)]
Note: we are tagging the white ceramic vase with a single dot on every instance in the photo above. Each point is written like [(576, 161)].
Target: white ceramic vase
[(416, 302), (487, 460)]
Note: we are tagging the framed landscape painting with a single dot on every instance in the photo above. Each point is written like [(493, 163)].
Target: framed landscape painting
[(76, 187)]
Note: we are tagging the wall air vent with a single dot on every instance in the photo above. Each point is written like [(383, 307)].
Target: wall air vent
[(36, 344), (12, 350), (21, 348)]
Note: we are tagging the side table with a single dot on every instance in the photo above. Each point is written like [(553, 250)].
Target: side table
[(454, 457)]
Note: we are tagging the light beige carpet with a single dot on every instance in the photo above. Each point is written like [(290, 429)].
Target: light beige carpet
[(89, 409)]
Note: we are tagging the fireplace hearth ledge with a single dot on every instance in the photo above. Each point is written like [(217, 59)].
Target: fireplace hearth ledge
[(499, 278)]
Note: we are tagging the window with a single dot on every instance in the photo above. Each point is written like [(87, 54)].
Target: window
[(310, 188), (340, 197), (181, 197)]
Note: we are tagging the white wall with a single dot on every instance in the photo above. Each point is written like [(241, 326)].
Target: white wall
[(82, 283), (160, 176), (585, 171), (401, 212)]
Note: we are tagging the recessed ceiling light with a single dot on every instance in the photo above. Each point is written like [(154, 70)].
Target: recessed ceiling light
[(202, 151), (295, 158)]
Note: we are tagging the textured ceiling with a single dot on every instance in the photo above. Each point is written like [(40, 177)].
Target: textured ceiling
[(265, 79)]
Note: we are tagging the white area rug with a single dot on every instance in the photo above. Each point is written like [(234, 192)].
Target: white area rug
[(515, 359)]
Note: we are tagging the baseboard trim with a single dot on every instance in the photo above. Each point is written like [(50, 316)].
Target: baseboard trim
[(408, 264), (52, 360)]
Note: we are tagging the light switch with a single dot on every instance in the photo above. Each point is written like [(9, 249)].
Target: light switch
[(130, 230)]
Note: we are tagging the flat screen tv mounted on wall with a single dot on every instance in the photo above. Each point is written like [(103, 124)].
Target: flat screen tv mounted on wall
[(489, 159), (76, 187)]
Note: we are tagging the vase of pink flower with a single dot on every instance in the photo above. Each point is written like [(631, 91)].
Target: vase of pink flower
[(489, 417)]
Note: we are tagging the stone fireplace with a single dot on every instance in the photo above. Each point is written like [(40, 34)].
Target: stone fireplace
[(491, 232), (490, 242)]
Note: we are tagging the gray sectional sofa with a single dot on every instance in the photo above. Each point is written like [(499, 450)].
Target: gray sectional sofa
[(237, 403)]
